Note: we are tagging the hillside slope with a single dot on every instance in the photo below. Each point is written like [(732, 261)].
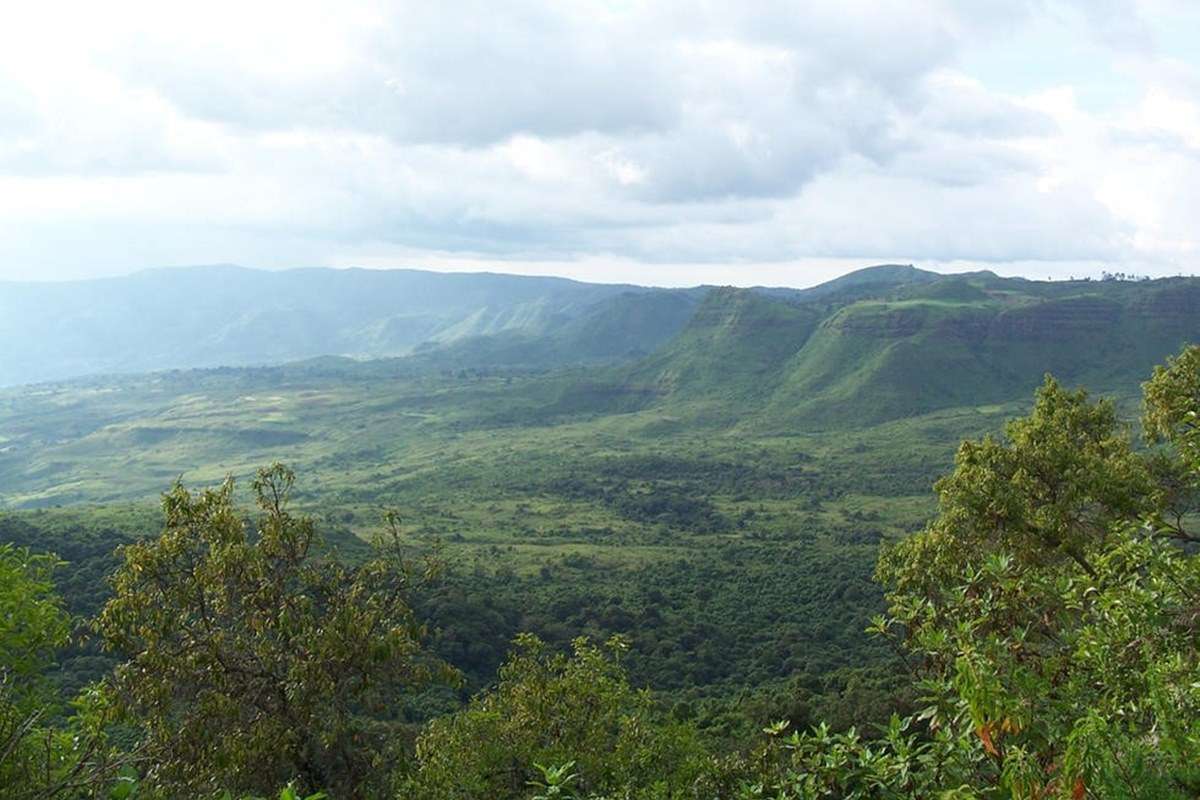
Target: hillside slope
[(231, 316), (835, 359), (878, 344), (623, 327)]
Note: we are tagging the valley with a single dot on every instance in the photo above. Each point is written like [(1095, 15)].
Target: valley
[(721, 499)]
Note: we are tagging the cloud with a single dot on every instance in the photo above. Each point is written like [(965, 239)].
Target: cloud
[(281, 133)]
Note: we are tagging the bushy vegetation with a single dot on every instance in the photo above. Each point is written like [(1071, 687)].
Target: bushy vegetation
[(40, 760), (1047, 621), (553, 708), (249, 660)]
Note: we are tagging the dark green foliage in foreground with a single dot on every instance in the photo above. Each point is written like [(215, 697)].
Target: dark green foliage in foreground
[(33, 624), (250, 661), (86, 545), (40, 760), (549, 707), (1054, 616)]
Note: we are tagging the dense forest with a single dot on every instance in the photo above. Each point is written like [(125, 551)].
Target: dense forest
[(1037, 638)]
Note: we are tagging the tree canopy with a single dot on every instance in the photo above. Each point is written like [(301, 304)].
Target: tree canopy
[(252, 659), (1050, 613)]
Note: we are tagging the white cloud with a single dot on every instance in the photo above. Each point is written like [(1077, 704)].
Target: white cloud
[(637, 132)]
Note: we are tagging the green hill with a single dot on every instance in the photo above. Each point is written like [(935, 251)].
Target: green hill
[(733, 346), (866, 282), (886, 351)]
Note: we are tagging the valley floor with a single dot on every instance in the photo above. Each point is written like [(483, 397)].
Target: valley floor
[(735, 560)]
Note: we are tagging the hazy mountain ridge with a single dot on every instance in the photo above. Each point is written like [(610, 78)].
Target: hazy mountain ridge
[(878, 344), (232, 316), (225, 315)]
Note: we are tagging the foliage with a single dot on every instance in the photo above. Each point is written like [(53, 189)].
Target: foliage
[(1173, 404), (555, 781), (84, 541), (44, 761), (33, 623), (1049, 493), (288, 792), (710, 626), (553, 709), (250, 660), (39, 760), (1053, 623), (898, 763)]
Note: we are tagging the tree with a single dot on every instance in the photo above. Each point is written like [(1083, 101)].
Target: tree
[(1048, 493), (39, 761), (252, 658), (33, 623), (549, 710), (1051, 613)]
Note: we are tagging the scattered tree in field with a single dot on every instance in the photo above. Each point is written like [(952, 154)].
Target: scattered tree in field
[(252, 659)]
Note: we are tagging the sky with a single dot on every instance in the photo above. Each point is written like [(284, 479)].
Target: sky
[(668, 143)]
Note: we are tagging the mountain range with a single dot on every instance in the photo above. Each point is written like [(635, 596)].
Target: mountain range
[(881, 343), (232, 316)]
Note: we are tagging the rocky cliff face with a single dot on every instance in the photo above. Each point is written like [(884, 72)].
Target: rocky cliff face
[(1054, 320)]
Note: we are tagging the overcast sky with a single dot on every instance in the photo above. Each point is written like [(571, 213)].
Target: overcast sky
[(737, 142)]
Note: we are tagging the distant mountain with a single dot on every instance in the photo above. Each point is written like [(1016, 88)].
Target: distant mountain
[(869, 351), (231, 316), (225, 315), (878, 344)]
